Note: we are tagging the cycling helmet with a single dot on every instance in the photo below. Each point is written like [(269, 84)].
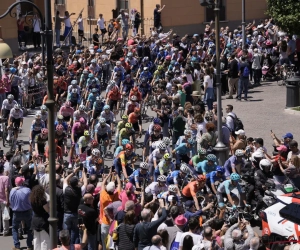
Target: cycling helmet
[(144, 80), (43, 107), (167, 156), (202, 151), (128, 146), (38, 115), (201, 178), (235, 177), (124, 117), (85, 71), (106, 107), (145, 68), (184, 168), (86, 133), (157, 127), (74, 82), (172, 188), (94, 90), (91, 75), (44, 131), (211, 157), (125, 141), (144, 165), (96, 152), (239, 152), (156, 120), (265, 163), (145, 59), (160, 67), (187, 132), (82, 120), (168, 58), (162, 178), (166, 140), (191, 141), (128, 125), (12, 70), (128, 76), (59, 127), (102, 120), (162, 146), (60, 117), (257, 156), (133, 98), (220, 169), (17, 106), (94, 143), (74, 91), (81, 107), (68, 104), (10, 96)]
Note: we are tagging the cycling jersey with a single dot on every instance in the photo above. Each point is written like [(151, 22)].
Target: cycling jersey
[(77, 129), (131, 105), (182, 149), (44, 115), (145, 90), (180, 140), (7, 105), (191, 189), (109, 117), (114, 96), (37, 127), (16, 114), (212, 178), (66, 112), (123, 159), (175, 178), (133, 118), (203, 168), (39, 140), (74, 98), (155, 189), (163, 167), (78, 114), (153, 137), (83, 142), (226, 187), (124, 134), (127, 86), (102, 130), (121, 125), (91, 98), (231, 163), (145, 75), (137, 177), (137, 94), (60, 138), (156, 155), (98, 106), (89, 81), (118, 150)]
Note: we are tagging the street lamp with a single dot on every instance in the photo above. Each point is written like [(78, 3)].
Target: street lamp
[(47, 28), (220, 148), (5, 51)]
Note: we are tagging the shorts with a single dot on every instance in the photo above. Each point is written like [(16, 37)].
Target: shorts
[(73, 104), (16, 122), (96, 114), (136, 127), (112, 104), (67, 118), (102, 137), (80, 32), (5, 113)]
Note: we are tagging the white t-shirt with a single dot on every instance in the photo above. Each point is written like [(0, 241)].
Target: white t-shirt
[(197, 238), (209, 82), (290, 154), (80, 23), (100, 23), (36, 25)]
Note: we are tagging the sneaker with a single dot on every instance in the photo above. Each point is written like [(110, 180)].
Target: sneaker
[(15, 248), (6, 234)]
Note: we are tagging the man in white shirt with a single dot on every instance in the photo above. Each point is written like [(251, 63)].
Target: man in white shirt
[(68, 28), (193, 225), (101, 24), (230, 117), (36, 35), (80, 29)]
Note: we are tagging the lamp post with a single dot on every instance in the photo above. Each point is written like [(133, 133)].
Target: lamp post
[(220, 148), (243, 23), (47, 29)]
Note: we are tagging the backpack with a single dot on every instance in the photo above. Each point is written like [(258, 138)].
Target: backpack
[(246, 72), (175, 243), (238, 124)]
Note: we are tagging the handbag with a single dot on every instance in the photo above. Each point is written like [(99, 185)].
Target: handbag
[(6, 215)]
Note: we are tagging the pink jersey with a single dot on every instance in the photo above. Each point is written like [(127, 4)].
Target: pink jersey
[(66, 112), (78, 129)]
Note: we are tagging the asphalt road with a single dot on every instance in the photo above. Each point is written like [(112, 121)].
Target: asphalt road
[(264, 111)]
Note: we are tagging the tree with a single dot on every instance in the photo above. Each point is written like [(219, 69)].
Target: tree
[(286, 15)]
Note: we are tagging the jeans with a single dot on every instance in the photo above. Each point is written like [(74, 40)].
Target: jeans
[(5, 223), (125, 32), (41, 240), (57, 36), (104, 233), (257, 76), (71, 223), (68, 32), (243, 85), (25, 216), (92, 241)]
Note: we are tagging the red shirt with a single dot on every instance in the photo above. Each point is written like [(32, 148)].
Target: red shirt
[(114, 96), (20, 25)]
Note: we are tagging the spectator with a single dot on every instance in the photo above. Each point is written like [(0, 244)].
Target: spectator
[(156, 243), (187, 243), (157, 17), (4, 200), (230, 117), (233, 77), (193, 226), (65, 239), (126, 231), (124, 18)]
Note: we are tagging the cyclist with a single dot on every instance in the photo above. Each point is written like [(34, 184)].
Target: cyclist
[(183, 151), (155, 188), (97, 109), (61, 137), (135, 92), (183, 139), (109, 116), (179, 177), (156, 156), (121, 125), (44, 114), (133, 62), (127, 133), (91, 160), (207, 165), (83, 78), (145, 74), (60, 121), (235, 163), (131, 105), (121, 162), (93, 86), (126, 85), (173, 194), (189, 192), (58, 152), (15, 121), (36, 127), (91, 79), (140, 176), (80, 113), (7, 105), (213, 177), (225, 188), (72, 86), (155, 136), (40, 142), (135, 119), (103, 132), (113, 99), (145, 89), (92, 98), (83, 142), (74, 98), (96, 168), (67, 112), (198, 158), (164, 167), (156, 121), (122, 147)]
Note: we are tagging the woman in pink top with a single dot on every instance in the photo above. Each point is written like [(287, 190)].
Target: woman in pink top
[(128, 194)]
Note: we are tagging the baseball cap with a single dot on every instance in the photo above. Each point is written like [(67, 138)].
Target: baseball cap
[(189, 203), (282, 148), (19, 181), (110, 187), (288, 135), (240, 132)]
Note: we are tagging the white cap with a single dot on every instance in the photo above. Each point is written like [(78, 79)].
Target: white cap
[(110, 187), (240, 132)]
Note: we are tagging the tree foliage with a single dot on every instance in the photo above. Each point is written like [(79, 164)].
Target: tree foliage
[(286, 14)]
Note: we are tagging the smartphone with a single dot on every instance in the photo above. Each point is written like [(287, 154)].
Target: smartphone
[(1, 153), (20, 147), (138, 189), (80, 221), (241, 216), (81, 166)]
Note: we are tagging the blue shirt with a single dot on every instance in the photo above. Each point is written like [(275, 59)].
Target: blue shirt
[(202, 167), (231, 163), (226, 187), (19, 199), (212, 178), (189, 214), (182, 149)]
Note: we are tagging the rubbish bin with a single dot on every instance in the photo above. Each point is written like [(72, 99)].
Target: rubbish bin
[(292, 92)]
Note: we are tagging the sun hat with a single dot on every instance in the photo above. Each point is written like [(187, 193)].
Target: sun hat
[(180, 220), (282, 148), (196, 93), (110, 187)]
